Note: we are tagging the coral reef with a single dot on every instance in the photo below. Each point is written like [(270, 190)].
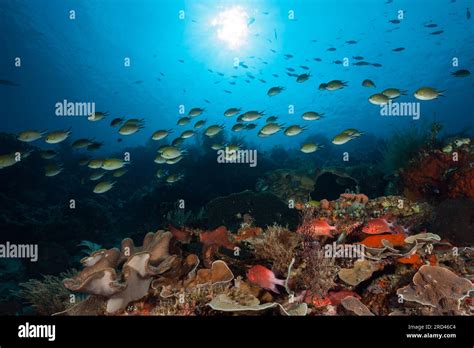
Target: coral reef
[(440, 173), (212, 241), (377, 253), (265, 208), (354, 305), (47, 295), (437, 287), (361, 271), (277, 245), (100, 278), (351, 212), (289, 184)]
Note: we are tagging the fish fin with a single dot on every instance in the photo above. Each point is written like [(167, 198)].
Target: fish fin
[(274, 289), (277, 281)]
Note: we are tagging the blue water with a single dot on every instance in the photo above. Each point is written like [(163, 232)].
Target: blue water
[(83, 60)]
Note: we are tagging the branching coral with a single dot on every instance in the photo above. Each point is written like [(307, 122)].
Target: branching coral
[(47, 295), (277, 245), (316, 273)]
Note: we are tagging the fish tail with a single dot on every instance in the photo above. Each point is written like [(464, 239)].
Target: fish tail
[(274, 288), (277, 281)]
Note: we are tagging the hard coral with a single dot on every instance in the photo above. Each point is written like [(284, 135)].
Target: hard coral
[(437, 287), (277, 245), (354, 305), (314, 273), (290, 184), (362, 270), (356, 197)]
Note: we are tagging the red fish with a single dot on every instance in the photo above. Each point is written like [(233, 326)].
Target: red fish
[(377, 226), (317, 227), (264, 278)]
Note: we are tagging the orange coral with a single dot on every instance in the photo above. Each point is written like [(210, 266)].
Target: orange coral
[(355, 197), (432, 259), (248, 232), (324, 204), (180, 234), (212, 241), (219, 237), (462, 184), (439, 174)]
